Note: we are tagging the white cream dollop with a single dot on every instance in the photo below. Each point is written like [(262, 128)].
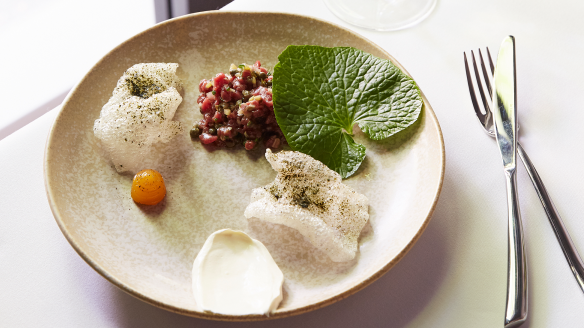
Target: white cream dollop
[(236, 275)]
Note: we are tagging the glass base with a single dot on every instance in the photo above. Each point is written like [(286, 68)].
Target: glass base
[(382, 15)]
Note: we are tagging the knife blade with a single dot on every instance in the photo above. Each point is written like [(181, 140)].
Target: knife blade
[(505, 118)]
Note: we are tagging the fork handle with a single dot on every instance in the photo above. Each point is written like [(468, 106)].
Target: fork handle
[(516, 307), (570, 252)]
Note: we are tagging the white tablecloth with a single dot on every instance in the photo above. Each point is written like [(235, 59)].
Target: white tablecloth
[(49, 45), (455, 276)]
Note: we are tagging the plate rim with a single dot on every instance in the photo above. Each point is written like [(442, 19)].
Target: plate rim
[(221, 317)]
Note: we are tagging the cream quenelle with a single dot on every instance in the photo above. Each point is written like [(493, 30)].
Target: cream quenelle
[(236, 275)]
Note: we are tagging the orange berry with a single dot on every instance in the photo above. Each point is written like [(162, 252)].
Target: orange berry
[(148, 187)]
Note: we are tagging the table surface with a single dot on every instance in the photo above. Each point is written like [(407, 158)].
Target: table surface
[(57, 42), (455, 275)]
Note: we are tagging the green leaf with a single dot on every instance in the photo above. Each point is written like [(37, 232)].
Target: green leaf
[(320, 93)]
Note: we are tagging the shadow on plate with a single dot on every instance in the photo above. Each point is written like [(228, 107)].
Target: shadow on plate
[(396, 298)]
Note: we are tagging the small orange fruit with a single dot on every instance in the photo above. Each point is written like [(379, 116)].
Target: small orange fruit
[(148, 187)]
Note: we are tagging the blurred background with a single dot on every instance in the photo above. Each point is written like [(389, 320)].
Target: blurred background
[(48, 46), (165, 9)]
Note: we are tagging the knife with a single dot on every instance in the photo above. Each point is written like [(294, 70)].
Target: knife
[(504, 115)]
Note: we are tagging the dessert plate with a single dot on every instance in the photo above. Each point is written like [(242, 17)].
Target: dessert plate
[(149, 251)]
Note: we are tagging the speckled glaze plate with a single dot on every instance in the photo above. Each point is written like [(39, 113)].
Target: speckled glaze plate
[(149, 251)]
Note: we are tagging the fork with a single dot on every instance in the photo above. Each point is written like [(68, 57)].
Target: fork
[(486, 120)]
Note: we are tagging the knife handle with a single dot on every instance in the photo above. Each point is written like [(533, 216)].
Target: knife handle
[(570, 251), (516, 307)]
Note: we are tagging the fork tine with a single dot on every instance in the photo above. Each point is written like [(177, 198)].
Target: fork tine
[(473, 96), (479, 84), (491, 61), (485, 74)]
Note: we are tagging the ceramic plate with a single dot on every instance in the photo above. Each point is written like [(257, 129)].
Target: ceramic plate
[(149, 251)]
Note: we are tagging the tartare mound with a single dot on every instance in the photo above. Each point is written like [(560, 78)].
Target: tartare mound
[(309, 197), (139, 114), (237, 108)]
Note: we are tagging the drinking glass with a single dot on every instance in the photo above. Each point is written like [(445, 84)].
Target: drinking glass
[(382, 15)]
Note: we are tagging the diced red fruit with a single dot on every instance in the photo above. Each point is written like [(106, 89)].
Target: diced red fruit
[(226, 95), (250, 144), (265, 94), (218, 117), (233, 116), (219, 78), (259, 113), (273, 142), (236, 95), (226, 131), (206, 122), (257, 64), (239, 85), (218, 82), (206, 106), (205, 86), (207, 138)]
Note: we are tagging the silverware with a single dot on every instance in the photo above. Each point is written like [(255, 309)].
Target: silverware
[(486, 120), (504, 118)]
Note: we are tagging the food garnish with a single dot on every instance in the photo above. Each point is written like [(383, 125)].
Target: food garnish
[(320, 93), (139, 114), (311, 198), (237, 109), (236, 275), (148, 187)]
